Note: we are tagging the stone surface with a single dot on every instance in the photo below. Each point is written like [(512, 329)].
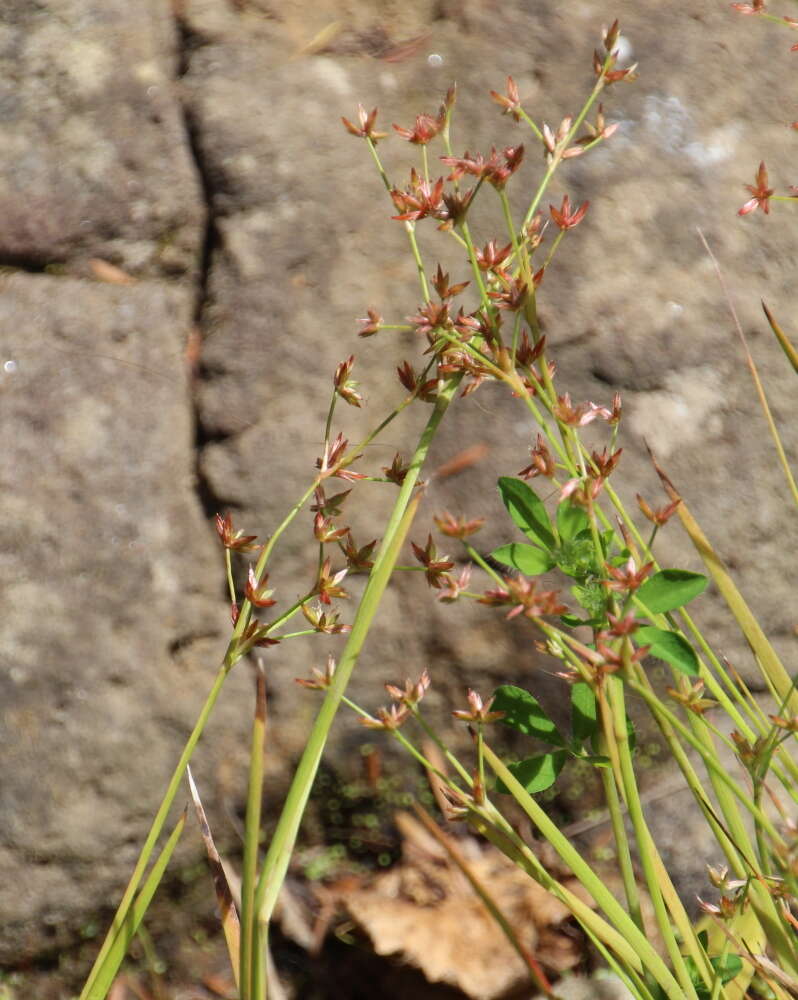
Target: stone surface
[(96, 153), (117, 612), (107, 584)]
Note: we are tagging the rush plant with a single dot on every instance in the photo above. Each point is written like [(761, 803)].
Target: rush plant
[(610, 603)]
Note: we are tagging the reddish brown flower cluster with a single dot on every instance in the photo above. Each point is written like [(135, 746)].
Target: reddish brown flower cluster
[(324, 622), (358, 560), (319, 680), (478, 711), (556, 143), (525, 598), (660, 515), (542, 461), (235, 541), (426, 128), (610, 56), (760, 191), (510, 103), (421, 199), (564, 217), (412, 693), (327, 584), (406, 700), (344, 386), (627, 578), (424, 390), (435, 566), (457, 527), (334, 453), (366, 128), (496, 169)]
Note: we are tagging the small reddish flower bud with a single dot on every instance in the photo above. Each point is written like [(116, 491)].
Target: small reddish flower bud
[(564, 217), (325, 531), (370, 325), (454, 586), (542, 461), (358, 560), (510, 103), (257, 592), (627, 578), (425, 129), (412, 693), (344, 386), (396, 471), (387, 718), (477, 711), (760, 191), (366, 129), (659, 516), (435, 566), (327, 583), (458, 527), (319, 680), (236, 541)]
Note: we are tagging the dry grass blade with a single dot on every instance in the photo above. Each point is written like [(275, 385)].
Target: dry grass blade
[(785, 465), (781, 336), (771, 666), (535, 971), (224, 897)]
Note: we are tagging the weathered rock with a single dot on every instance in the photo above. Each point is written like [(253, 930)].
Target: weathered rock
[(100, 454), (97, 161), (108, 579)]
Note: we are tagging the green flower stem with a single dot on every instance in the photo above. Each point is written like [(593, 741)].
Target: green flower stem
[(653, 869), (661, 711), (410, 229), (557, 158), (90, 990), (106, 972), (508, 221), (472, 258), (282, 844), (622, 845), (249, 935), (448, 755), (737, 839), (228, 564), (633, 947), (531, 124)]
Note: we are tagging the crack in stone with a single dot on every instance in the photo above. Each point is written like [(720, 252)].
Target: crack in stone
[(209, 500)]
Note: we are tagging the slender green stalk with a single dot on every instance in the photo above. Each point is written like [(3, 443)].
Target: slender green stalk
[(281, 847), (632, 937), (622, 846), (107, 964), (619, 734), (90, 990), (249, 932)]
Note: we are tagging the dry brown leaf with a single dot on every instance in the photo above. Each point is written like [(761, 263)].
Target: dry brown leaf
[(103, 270), (425, 911)]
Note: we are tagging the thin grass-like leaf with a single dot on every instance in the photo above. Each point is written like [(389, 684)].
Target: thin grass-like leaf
[(250, 942), (773, 670), (449, 845), (148, 849), (224, 897), (117, 949), (781, 336), (774, 433)]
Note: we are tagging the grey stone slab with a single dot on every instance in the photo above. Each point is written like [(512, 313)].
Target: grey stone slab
[(108, 579), (95, 150)]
